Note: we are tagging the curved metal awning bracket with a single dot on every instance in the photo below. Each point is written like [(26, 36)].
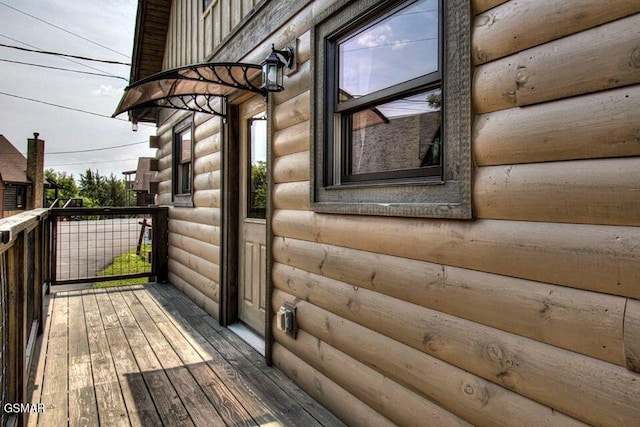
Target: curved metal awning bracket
[(192, 88)]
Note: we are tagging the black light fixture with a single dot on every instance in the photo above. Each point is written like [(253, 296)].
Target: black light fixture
[(273, 68)]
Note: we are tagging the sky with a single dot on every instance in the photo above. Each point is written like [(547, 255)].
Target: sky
[(107, 22)]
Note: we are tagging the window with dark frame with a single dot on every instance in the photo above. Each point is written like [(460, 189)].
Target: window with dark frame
[(392, 117), (183, 162), (384, 92)]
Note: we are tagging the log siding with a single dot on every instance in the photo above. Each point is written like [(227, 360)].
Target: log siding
[(529, 313)]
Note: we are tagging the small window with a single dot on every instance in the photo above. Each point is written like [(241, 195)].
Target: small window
[(21, 197), (257, 157), (183, 163), (392, 89)]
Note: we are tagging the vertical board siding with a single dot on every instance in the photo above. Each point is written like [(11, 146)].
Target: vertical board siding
[(194, 34)]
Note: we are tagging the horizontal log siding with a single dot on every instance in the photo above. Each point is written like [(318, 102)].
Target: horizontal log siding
[(483, 402), (494, 321), (194, 233), (608, 393), (515, 26), (581, 321)]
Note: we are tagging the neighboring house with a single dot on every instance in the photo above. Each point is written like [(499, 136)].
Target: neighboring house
[(16, 183), (143, 181), (488, 274)]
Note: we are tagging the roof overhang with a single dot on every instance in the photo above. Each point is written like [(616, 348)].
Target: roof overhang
[(193, 88)]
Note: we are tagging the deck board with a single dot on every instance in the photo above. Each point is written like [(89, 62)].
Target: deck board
[(147, 356)]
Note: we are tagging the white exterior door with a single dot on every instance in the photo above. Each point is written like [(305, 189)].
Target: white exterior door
[(252, 193)]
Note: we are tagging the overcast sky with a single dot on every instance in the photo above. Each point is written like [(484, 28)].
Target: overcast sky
[(107, 22)]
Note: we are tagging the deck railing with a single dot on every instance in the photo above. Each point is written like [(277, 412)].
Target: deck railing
[(24, 243), (108, 244), (45, 247)]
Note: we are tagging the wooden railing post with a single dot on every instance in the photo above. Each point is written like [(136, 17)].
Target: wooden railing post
[(160, 232), (16, 313)]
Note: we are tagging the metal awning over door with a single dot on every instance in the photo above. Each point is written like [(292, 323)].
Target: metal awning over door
[(193, 88)]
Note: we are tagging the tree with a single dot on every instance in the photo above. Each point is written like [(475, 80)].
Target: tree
[(100, 191), (69, 188)]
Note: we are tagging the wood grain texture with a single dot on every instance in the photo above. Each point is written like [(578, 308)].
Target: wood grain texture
[(603, 124), (207, 181), (240, 368), (292, 112), (515, 26), (391, 400), (140, 406), (207, 216), (291, 168), (603, 191), (206, 268), (494, 85), (201, 300), (482, 5), (207, 198), (632, 335), (599, 258), (208, 145), (206, 285), (346, 407), (291, 195), (601, 58), (585, 322), (202, 232), (296, 83), (207, 163), (547, 374), (110, 402), (472, 398), (292, 139)]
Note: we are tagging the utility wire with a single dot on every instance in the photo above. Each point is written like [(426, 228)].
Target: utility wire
[(63, 29), (91, 163), (84, 58), (65, 69), (71, 108), (61, 106), (97, 149), (62, 57)]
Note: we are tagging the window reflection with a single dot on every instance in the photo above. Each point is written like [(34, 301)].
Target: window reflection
[(398, 48), (398, 135), (257, 178)]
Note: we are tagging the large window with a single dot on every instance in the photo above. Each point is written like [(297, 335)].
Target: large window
[(392, 116), (183, 163)]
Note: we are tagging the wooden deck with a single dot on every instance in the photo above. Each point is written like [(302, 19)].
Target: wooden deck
[(147, 356)]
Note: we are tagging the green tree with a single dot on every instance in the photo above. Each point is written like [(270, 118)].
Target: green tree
[(69, 188), (259, 184), (99, 191)]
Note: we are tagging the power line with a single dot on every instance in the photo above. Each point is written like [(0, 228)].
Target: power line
[(85, 151), (65, 69), (91, 163), (62, 57), (63, 29), (97, 149), (84, 58), (61, 106)]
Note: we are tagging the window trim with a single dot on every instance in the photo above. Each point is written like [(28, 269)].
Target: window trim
[(449, 197), (180, 198)]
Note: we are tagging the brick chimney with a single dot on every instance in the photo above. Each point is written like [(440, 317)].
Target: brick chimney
[(35, 171)]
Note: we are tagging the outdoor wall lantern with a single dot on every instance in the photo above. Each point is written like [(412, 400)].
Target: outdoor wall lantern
[(273, 68)]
